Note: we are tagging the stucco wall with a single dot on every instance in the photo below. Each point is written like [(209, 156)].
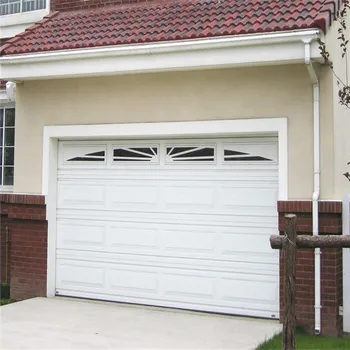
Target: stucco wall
[(341, 121), (200, 95)]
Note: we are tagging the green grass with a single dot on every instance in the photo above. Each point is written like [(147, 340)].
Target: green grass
[(306, 342), (5, 301)]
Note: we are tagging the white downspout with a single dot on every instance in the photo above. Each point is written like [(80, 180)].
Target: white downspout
[(316, 192)]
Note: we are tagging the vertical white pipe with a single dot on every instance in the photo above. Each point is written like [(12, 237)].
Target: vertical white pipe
[(315, 214), (316, 191)]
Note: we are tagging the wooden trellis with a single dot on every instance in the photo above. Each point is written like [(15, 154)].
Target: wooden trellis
[(289, 243)]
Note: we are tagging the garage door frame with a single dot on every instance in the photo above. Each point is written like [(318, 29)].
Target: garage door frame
[(203, 129)]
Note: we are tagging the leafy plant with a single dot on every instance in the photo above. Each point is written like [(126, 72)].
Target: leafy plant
[(343, 83)]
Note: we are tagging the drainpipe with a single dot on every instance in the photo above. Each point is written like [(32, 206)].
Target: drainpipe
[(316, 191)]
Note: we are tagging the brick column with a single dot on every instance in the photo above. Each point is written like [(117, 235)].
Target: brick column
[(26, 218), (330, 222)]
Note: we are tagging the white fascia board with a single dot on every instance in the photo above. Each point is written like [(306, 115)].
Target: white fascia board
[(244, 50), (13, 24)]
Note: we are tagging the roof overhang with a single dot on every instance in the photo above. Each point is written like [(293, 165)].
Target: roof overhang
[(209, 53)]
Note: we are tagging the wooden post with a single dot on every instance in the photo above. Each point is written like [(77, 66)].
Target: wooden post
[(289, 249)]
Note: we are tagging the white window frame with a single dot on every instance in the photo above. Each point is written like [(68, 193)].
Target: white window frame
[(5, 104), (203, 129), (13, 24)]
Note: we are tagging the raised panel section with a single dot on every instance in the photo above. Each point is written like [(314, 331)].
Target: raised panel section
[(80, 235), (189, 197), (79, 275), (132, 236), (132, 281), (254, 290), (254, 197), (187, 286), (75, 195), (132, 196), (185, 240)]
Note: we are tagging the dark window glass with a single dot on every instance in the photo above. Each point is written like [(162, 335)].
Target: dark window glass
[(9, 137), (134, 154), (90, 157), (9, 155), (249, 158), (228, 152), (188, 154), (85, 159), (10, 117), (8, 176)]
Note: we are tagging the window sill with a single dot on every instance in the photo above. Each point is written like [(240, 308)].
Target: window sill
[(6, 189), (11, 25)]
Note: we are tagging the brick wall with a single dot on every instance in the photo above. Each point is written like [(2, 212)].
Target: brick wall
[(70, 5), (330, 222), (26, 219), (3, 225)]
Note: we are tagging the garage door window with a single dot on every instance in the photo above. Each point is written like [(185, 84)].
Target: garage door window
[(136, 154), (190, 154), (7, 145), (90, 157)]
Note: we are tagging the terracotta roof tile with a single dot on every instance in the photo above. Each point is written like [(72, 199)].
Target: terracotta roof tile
[(164, 21)]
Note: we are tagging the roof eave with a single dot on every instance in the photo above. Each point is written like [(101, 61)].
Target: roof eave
[(209, 53)]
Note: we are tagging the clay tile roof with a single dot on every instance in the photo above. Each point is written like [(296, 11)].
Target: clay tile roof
[(155, 21)]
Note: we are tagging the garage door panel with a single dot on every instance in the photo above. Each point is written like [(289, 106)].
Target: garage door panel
[(233, 242), (210, 288), (132, 280), (137, 196), (238, 218), (187, 285), (80, 235), (81, 195), (254, 197), (167, 231), (124, 236), (184, 240), (166, 240), (250, 289), (189, 197), (240, 263), (77, 275)]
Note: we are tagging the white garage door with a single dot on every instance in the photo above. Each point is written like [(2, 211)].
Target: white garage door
[(177, 223)]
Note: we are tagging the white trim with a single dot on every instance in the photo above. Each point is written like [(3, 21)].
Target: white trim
[(4, 101), (227, 128), (13, 24), (240, 50), (6, 189)]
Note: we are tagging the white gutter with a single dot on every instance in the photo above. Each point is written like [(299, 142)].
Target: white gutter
[(316, 192), (166, 47), (239, 50)]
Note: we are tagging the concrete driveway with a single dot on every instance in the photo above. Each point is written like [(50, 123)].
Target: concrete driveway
[(64, 323)]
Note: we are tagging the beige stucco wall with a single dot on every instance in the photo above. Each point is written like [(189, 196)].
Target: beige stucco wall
[(341, 120), (200, 95)]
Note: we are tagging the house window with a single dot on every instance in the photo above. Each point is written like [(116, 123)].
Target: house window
[(7, 145), (8, 7)]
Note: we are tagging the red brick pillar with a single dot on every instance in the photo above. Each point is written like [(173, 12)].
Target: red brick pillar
[(3, 225), (330, 222), (26, 217)]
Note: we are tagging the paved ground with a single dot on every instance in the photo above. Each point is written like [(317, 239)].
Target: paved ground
[(63, 323)]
